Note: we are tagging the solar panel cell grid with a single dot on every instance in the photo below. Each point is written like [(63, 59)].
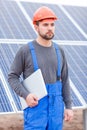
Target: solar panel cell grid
[(76, 101), (5, 105), (14, 23), (80, 15)]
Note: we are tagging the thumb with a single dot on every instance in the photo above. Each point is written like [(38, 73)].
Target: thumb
[(35, 97), (65, 117)]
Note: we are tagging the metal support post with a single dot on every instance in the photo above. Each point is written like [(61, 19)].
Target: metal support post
[(85, 119)]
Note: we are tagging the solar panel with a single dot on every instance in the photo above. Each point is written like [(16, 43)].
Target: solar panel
[(77, 60), (76, 101), (80, 15), (13, 23), (65, 29), (4, 101), (6, 58)]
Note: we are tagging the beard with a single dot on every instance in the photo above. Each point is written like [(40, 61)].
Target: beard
[(48, 36)]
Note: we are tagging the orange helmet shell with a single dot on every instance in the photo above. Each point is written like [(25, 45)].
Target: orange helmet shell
[(43, 13)]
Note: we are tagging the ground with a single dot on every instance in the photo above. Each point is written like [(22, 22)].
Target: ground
[(15, 121)]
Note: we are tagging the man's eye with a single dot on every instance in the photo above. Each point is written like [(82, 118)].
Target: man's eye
[(52, 24), (45, 24)]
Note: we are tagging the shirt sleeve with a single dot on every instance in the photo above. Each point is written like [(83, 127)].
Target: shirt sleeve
[(14, 74), (66, 90)]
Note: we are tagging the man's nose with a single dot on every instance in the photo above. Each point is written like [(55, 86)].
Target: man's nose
[(50, 27)]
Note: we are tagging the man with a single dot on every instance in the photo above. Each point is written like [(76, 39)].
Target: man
[(47, 113)]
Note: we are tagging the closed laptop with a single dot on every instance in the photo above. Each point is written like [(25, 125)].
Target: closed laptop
[(34, 84)]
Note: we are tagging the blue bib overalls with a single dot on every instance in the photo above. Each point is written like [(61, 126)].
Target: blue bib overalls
[(48, 114)]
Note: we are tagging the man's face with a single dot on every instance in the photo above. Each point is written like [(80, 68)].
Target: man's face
[(46, 29)]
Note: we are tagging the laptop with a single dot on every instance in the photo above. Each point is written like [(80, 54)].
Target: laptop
[(34, 84)]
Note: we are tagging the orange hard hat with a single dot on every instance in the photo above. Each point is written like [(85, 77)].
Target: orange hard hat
[(43, 13)]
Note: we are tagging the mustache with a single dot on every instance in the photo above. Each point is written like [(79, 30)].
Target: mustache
[(50, 32)]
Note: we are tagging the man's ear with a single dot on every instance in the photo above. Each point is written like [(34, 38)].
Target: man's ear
[(36, 27)]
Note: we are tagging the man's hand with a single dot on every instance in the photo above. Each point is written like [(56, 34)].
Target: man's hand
[(68, 115), (32, 100)]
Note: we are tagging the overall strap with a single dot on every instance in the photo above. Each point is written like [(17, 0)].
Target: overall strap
[(33, 54), (58, 61)]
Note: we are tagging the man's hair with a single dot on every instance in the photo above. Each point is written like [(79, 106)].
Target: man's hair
[(37, 23)]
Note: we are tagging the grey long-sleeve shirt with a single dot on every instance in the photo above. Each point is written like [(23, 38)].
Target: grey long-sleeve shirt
[(47, 62)]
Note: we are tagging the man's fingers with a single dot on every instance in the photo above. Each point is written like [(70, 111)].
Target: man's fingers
[(32, 100), (35, 98), (68, 115)]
